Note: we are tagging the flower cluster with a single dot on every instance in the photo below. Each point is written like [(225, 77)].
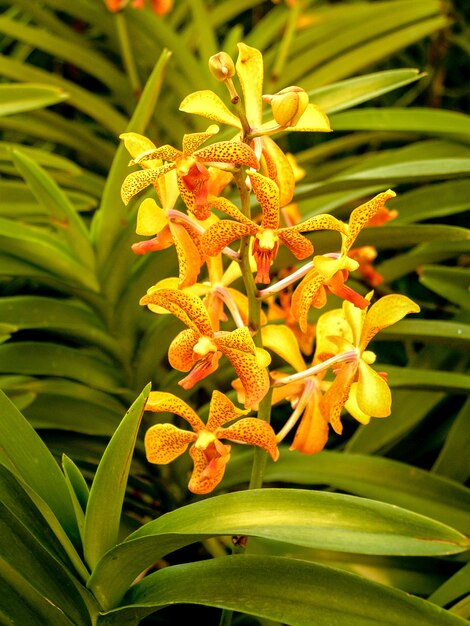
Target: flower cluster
[(219, 241)]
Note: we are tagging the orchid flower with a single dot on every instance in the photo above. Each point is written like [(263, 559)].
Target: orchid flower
[(165, 442), (190, 165), (330, 272), (268, 234), (348, 331), (199, 347)]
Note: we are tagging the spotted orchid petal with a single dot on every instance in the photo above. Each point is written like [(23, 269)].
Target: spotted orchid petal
[(228, 208), (299, 245), (278, 169), (190, 257), (267, 194), (136, 181), (312, 432), (209, 468), (136, 144), (305, 296), (163, 153), (221, 411), (373, 394), (164, 402), (385, 312), (234, 152), (335, 397), (192, 141), (363, 214), (249, 69), (281, 340), (239, 348), (209, 105), (223, 233), (165, 442), (185, 306), (253, 431)]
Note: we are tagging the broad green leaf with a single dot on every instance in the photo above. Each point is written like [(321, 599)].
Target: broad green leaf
[(45, 250), (368, 476), (416, 119), (78, 490), (308, 518), (354, 91), (432, 201), (433, 380), (452, 283), (63, 215), (24, 454), (452, 460), (103, 512), (46, 158), (54, 359), (450, 333), (18, 98), (290, 591)]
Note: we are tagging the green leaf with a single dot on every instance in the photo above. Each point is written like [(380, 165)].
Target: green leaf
[(18, 98), (296, 516), (78, 490), (103, 512), (371, 477), (449, 333), (416, 119), (452, 460), (434, 380), (291, 591), (353, 91), (432, 201), (63, 215), (451, 283), (24, 454), (455, 587)]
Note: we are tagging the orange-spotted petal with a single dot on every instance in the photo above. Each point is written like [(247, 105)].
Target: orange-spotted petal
[(234, 152), (185, 306), (208, 104), (192, 141), (181, 351), (299, 245), (253, 431), (165, 442), (225, 206), (304, 296), (385, 312), (312, 432), (135, 182), (162, 153), (164, 402), (267, 194), (208, 469), (222, 410), (239, 348), (336, 396), (189, 256), (362, 214), (279, 169), (221, 234)]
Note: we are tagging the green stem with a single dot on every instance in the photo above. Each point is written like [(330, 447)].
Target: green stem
[(260, 456), (126, 52), (286, 42)]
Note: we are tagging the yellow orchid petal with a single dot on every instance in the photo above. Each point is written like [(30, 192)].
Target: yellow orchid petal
[(239, 348), (299, 245), (234, 152), (136, 144), (282, 341), (298, 171), (331, 324), (225, 206), (208, 104), (165, 442), (385, 312), (279, 169), (135, 182), (303, 297), (355, 318), (192, 141), (150, 218), (352, 406), (167, 189), (221, 411), (163, 153), (252, 431), (313, 119), (164, 402), (267, 194), (221, 234), (336, 396), (362, 214), (312, 432), (189, 257), (373, 394), (249, 68), (207, 474), (185, 306), (181, 351), (323, 221)]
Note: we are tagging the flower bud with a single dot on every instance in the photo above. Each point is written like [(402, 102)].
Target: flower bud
[(288, 105), (221, 66)]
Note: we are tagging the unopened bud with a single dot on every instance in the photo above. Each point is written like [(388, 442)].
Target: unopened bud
[(221, 66), (288, 105)]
